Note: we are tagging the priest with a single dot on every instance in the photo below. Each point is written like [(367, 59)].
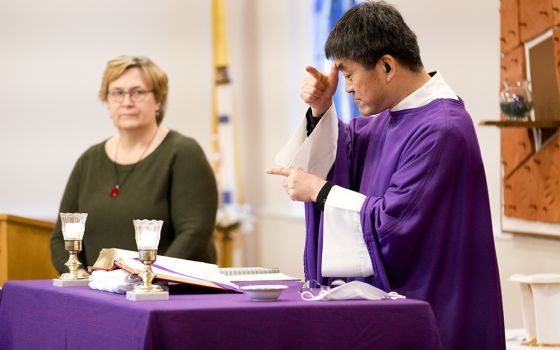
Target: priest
[(398, 197)]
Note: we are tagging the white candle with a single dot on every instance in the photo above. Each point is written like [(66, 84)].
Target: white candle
[(148, 239), (73, 231)]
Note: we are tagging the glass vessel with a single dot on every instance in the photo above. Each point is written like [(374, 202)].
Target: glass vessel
[(73, 228), (516, 100), (147, 233)]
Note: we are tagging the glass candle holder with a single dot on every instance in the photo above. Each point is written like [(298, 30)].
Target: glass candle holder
[(73, 228), (516, 100), (147, 233)]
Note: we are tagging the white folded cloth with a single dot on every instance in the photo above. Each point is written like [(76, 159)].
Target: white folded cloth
[(115, 281), (540, 307)]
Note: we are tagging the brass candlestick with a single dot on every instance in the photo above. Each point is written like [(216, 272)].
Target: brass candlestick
[(73, 228), (147, 257), (73, 247), (147, 234)]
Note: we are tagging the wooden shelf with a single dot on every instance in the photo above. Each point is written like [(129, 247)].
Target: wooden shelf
[(543, 124)]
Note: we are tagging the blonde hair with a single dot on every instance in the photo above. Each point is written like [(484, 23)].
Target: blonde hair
[(157, 79)]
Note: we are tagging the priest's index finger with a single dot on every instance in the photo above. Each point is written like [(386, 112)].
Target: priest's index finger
[(314, 72), (278, 171)]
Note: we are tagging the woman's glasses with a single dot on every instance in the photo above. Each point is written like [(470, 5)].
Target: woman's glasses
[(136, 95)]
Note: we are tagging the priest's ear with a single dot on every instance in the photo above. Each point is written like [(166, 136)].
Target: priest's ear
[(387, 67), (388, 63)]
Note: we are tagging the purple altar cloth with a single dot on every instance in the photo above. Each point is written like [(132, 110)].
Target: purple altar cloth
[(36, 315)]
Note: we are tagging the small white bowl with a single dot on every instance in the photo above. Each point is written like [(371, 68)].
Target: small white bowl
[(264, 292)]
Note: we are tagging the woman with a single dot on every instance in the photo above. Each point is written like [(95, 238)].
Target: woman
[(144, 171)]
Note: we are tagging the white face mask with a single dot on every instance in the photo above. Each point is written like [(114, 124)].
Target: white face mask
[(351, 290)]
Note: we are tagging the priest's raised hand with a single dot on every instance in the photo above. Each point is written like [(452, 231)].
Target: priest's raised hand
[(300, 185), (318, 89)]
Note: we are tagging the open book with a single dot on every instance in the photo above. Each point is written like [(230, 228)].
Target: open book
[(242, 274), (183, 271)]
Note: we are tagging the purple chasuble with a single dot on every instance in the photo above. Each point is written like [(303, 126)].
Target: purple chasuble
[(426, 219)]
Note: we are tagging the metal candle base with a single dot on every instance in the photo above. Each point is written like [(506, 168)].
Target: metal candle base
[(146, 296), (57, 282), (73, 247), (147, 257)]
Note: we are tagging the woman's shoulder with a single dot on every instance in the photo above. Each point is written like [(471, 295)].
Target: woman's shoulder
[(91, 158), (181, 142), (94, 150), (94, 153)]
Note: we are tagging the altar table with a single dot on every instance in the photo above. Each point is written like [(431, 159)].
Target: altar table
[(36, 315)]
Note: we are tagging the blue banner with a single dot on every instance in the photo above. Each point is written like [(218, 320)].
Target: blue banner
[(326, 14)]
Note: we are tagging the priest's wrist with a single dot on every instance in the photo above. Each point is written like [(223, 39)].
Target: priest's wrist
[(319, 112), (323, 194), (312, 121)]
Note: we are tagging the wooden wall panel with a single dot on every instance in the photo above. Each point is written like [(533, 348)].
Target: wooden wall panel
[(532, 192), (556, 12), (547, 163), (535, 18), (532, 178), (556, 50), (516, 147), (520, 193), (512, 66), (509, 25)]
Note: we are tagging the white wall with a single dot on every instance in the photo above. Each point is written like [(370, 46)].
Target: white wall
[(52, 55)]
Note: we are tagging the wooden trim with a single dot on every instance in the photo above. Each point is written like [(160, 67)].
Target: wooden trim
[(27, 221), (25, 248), (3, 250), (543, 124)]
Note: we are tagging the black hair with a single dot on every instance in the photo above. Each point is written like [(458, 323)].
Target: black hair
[(370, 30)]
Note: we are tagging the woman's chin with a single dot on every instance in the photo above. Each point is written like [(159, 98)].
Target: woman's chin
[(128, 124)]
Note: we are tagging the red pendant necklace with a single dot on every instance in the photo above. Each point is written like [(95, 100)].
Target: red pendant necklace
[(115, 190)]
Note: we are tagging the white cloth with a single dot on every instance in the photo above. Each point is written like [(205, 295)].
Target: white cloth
[(541, 306), (433, 89), (303, 152), (344, 250), (115, 281), (351, 290)]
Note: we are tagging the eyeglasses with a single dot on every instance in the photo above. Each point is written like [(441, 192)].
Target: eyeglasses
[(137, 95)]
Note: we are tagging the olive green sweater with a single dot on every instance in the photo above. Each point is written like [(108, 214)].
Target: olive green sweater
[(174, 183)]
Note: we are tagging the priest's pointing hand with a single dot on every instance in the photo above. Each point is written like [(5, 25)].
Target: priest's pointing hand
[(300, 185), (318, 89)]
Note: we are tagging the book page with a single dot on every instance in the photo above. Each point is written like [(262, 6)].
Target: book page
[(246, 274), (167, 268)]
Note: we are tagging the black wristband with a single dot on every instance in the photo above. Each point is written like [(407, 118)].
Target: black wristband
[(323, 194), (311, 121)]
